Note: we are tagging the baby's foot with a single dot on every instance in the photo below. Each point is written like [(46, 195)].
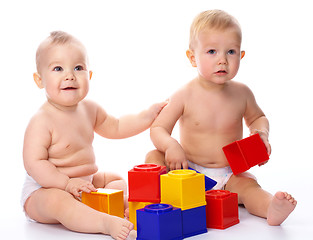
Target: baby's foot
[(281, 206), (119, 228)]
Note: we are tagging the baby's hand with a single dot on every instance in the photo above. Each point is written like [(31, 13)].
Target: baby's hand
[(76, 185), (264, 137), (175, 158), (156, 108)]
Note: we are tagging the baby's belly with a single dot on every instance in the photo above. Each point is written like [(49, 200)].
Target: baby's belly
[(206, 150), (78, 164)]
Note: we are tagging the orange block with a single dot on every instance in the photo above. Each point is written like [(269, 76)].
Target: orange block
[(109, 201)]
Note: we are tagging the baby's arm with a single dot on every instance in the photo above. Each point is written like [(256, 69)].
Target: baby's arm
[(256, 120), (35, 155), (161, 131), (126, 126)]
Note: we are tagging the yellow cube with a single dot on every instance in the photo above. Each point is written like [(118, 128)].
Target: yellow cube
[(183, 189), (109, 201), (133, 206)]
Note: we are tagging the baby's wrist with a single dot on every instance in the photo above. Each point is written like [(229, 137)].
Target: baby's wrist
[(260, 131)]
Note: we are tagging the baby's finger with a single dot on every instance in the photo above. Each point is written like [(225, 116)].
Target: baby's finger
[(75, 192), (185, 165)]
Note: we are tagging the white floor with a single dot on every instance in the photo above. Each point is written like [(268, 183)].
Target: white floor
[(250, 227), (298, 226)]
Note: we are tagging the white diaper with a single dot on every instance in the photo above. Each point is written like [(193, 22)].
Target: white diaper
[(220, 175), (30, 186)]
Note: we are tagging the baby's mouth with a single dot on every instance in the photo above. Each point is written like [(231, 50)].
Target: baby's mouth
[(69, 88)]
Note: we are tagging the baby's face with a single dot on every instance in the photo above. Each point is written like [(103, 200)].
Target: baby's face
[(217, 54), (64, 73)]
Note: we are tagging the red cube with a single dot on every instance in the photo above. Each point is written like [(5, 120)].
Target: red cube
[(221, 209), (144, 183), (246, 153)]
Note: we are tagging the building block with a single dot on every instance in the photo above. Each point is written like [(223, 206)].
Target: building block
[(245, 153), (159, 222), (133, 207), (194, 221), (105, 200), (221, 209), (209, 182), (144, 183), (183, 189)]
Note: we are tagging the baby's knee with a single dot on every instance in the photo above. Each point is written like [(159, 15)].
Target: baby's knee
[(155, 156), (241, 181)]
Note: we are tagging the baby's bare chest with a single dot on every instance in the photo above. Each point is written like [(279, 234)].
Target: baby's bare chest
[(214, 112), (69, 137)]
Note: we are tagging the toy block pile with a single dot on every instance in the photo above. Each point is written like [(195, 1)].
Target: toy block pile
[(179, 204), (174, 205)]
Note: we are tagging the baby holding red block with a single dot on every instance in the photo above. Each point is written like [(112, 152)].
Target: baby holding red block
[(210, 110)]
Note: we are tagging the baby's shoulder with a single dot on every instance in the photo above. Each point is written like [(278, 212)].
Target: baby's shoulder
[(184, 91), (40, 120), (89, 104), (239, 87)]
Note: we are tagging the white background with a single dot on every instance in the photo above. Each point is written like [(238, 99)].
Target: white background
[(137, 53)]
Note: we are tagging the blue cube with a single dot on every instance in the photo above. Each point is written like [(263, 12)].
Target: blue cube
[(209, 182), (159, 222), (194, 221)]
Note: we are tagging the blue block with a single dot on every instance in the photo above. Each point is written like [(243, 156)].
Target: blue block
[(209, 183), (194, 221), (159, 222)]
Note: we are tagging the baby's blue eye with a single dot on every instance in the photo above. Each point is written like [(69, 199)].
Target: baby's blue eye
[(232, 52), (211, 51), (57, 69), (78, 68)]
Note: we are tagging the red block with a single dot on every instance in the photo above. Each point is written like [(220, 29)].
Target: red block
[(144, 183), (221, 209), (245, 153)]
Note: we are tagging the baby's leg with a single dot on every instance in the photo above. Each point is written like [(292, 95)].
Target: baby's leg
[(259, 202), (109, 180), (58, 206), (155, 157), (112, 181)]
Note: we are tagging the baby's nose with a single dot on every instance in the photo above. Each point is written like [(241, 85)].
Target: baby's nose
[(222, 59), (70, 76)]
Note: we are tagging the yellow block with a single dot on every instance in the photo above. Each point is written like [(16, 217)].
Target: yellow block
[(106, 200), (133, 206), (183, 189)]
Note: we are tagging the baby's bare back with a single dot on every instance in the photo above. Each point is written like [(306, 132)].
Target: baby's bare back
[(211, 120)]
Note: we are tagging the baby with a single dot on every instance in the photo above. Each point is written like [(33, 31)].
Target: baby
[(58, 154), (210, 110)]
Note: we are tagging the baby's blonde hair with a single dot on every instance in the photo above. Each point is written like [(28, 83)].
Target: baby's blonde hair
[(212, 19), (55, 38)]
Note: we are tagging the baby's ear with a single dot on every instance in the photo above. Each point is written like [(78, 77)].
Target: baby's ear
[(38, 80), (243, 53), (191, 57)]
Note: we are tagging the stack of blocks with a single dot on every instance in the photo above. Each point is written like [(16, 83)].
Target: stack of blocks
[(175, 205), (144, 188), (179, 208)]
